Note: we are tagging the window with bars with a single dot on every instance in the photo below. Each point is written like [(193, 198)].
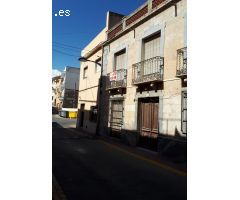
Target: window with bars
[(116, 116)]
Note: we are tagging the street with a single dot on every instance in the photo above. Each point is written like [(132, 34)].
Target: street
[(91, 169), (64, 122)]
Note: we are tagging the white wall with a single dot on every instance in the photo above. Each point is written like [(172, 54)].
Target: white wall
[(72, 78)]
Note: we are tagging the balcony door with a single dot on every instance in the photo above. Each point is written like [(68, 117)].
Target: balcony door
[(120, 59), (151, 49), (119, 72)]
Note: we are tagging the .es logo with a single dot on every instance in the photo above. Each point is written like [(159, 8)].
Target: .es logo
[(63, 13)]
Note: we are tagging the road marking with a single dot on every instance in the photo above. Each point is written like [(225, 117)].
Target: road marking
[(161, 165)]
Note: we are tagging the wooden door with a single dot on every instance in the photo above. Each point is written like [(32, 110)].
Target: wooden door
[(149, 119), (148, 123)]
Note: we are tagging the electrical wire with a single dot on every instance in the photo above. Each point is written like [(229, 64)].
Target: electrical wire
[(66, 48), (66, 45), (64, 53), (70, 46)]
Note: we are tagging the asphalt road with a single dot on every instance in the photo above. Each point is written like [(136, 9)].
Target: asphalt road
[(88, 169), (64, 122)]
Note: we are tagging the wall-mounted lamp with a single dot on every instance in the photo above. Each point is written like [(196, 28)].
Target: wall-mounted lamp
[(83, 59)]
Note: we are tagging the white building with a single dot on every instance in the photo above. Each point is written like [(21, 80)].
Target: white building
[(70, 87)]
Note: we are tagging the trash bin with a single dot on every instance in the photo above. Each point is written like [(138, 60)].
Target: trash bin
[(60, 113), (63, 113), (72, 114)]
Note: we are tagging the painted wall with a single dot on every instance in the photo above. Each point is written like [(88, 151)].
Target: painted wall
[(88, 86)]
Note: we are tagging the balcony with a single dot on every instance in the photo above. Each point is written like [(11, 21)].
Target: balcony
[(181, 63), (117, 79), (150, 70)]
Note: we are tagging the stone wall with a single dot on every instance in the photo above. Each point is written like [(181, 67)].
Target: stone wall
[(171, 25)]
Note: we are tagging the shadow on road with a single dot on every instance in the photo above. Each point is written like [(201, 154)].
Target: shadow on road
[(56, 125), (98, 169)]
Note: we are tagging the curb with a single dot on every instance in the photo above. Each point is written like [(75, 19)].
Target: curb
[(57, 192)]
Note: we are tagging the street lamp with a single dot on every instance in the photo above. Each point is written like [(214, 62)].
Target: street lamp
[(83, 59)]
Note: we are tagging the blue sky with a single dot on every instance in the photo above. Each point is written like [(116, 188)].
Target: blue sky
[(72, 33)]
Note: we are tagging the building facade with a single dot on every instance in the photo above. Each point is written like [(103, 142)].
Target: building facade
[(144, 76), (70, 87), (90, 71), (57, 91)]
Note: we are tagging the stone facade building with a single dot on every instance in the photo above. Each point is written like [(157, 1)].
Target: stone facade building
[(144, 76)]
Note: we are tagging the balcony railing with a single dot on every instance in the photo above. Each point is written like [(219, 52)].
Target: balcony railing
[(148, 70), (181, 62), (117, 79)]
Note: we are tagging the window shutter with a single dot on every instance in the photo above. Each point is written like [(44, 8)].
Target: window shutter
[(120, 60), (152, 47)]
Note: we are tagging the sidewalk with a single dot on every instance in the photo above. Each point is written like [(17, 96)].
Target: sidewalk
[(139, 152)]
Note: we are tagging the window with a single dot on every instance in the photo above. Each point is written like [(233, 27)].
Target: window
[(120, 60), (93, 114), (151, 49), (98, 66), (151, 46), (85, 72)]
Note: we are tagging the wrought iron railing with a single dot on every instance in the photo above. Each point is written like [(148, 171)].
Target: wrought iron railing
[(148, 70), (181, 62), (117, 79)]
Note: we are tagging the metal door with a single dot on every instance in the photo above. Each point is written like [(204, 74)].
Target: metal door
[(116, 117)]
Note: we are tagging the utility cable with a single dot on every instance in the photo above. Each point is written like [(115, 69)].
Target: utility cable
[(66, 48), (74, 47), (64, 53)]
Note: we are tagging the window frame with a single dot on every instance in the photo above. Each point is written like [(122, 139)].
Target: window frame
[(98, 65), (148, 39), (85, 69), (122, 51)]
